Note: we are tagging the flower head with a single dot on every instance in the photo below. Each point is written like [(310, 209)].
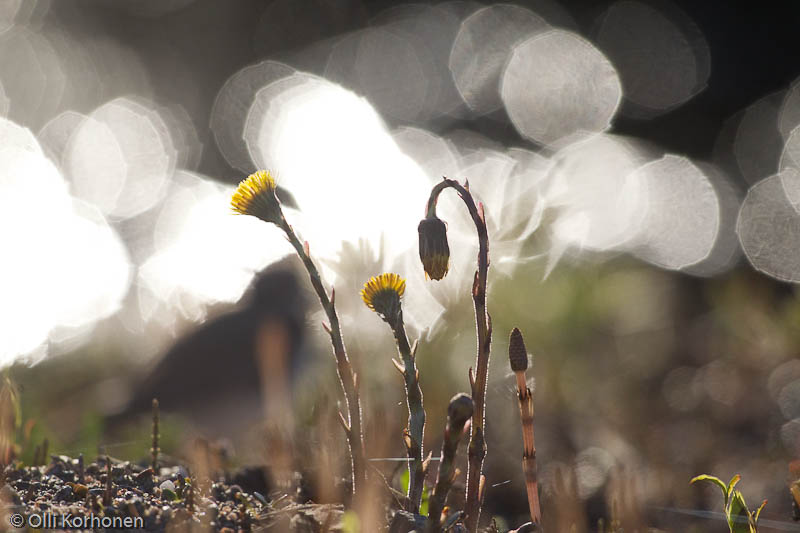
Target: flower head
[(382, 294), (255, 196), (434, 252)]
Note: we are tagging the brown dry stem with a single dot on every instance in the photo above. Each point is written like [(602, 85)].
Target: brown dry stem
[(154, 448)]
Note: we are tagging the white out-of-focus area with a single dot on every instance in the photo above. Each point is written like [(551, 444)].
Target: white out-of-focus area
[(117, 160), (63, 266)]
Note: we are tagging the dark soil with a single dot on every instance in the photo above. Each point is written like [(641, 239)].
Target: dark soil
[(137, 499)]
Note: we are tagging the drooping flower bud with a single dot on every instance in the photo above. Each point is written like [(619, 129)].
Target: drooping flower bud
[(434, 252)]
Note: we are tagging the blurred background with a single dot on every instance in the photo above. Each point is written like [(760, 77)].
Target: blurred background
[(639, 164)]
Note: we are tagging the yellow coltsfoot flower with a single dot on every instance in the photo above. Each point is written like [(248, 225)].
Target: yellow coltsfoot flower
[(255, 196), (382, 294)]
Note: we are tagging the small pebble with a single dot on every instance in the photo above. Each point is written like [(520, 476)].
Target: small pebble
[(63, 494)]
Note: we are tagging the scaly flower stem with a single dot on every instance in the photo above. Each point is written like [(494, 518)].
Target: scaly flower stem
[(478, 381), (459, 411), (416, 415), (347, 377)]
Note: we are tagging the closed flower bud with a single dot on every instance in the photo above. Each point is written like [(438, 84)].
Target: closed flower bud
[(434, 252), (460, 410)]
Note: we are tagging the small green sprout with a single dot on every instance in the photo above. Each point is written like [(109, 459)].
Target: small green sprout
[(740, 519)]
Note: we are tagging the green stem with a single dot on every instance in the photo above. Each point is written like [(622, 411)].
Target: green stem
[(416, 416), (478, 381), (347, 377)]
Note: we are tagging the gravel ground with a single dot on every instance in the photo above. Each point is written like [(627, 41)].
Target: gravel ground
[(66, 495)]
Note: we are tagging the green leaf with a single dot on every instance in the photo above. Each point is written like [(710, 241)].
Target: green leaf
[(758, 512), (734, 480), (717, 481), (738, 515), (351, 523), (423, 507), (405, 479)]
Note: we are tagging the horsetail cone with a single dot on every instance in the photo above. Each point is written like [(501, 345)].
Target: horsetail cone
[(517, 354), (434, 252)]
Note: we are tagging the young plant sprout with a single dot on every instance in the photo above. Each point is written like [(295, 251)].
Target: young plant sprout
[(255, 196), (518, 358), (740, 518), (433, 244), (460, 410), (383, 295)]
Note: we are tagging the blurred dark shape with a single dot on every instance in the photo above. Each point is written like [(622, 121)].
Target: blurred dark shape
[(405, 522), (252, 479), (216, 376)]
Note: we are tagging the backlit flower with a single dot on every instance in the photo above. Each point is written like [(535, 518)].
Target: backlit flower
[(255, 196), (382, 294)]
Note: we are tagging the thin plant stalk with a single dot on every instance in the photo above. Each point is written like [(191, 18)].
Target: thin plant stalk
[(154, 448), (478, 379), (190, 495), (347, 377), (10, 416), (80, 469), (461, 408), (256, 196), (416, 415), (107, 493)]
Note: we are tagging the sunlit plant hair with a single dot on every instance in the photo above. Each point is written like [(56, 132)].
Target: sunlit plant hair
[(255, 196), (382, 294)]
